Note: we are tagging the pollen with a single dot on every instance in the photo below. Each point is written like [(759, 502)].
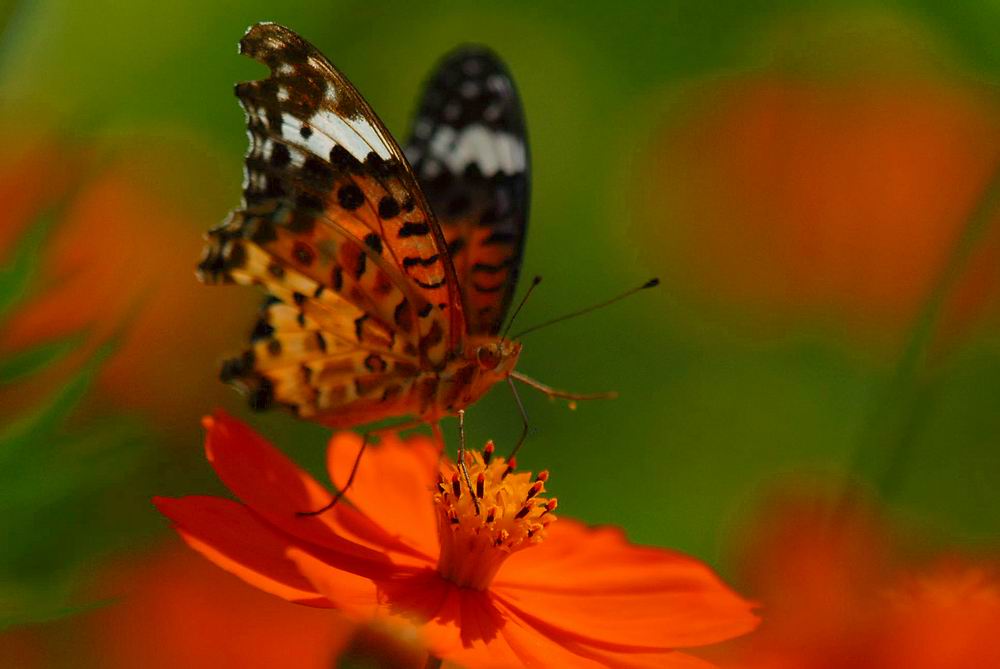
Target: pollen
[(512, 515)]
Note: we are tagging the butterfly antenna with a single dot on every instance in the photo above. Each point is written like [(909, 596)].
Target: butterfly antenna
[(649, 284), (534, 282)]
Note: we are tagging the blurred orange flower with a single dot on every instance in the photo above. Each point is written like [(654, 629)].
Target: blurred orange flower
[(836, 591), (948, 616), (120, 259), (832, 201), (174, 610), (480, 589), (168, 608), (34, 171)]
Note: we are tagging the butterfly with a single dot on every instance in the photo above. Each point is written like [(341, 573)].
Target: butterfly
[(389, 273)]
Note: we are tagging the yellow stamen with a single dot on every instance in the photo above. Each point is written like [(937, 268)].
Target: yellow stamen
[(512, 516)]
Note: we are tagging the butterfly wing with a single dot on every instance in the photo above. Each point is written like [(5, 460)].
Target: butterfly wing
[(335, 227), (310, 362), (469, 149)]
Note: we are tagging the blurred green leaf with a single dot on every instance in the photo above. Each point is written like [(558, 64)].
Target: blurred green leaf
[(35, 359), (42, 613), (24, 432), (950, 480), (55, 481), (885, 450), (18, 275), (55, 474)]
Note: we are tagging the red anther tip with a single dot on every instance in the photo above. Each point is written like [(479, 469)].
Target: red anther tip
[(543, 475), (489, 446), (480, 485)]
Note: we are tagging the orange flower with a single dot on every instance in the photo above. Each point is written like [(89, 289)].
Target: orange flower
[(169, 608), (838, 591), (172, 610), (837, 201), (502, 588), (945, 617)]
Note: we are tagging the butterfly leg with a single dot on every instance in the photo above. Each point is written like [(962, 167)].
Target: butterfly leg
[(366, 439), (562, 394), (461, 459), (524, 419)]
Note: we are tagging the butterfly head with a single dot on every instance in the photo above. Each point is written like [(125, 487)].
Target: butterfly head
[(498, 356)]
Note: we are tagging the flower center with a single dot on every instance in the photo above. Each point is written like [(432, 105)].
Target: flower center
[(511, 516)]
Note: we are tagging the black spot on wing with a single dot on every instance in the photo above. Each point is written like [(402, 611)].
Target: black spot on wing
[(491, 268), (344, 161), (280, 156), (410, 229), (456, 245), (413, 261), (374, 242), (488, 289), (350, 197), (388, 208)]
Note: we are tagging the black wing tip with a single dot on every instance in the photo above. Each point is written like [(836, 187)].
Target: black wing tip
[(475, 60), (652, 283), (468, 50), (254, 34), (266, 41)]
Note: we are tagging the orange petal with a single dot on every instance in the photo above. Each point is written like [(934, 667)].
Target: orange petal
[(419, 600), (456, 624), (660, 599), (542, 645), (229, 535), (277, 490), (355, 595), (392, 485)]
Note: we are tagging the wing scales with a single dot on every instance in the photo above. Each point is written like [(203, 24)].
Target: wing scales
[(469, 150)]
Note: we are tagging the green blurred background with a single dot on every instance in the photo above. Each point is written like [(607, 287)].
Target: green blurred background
[(814, 183)]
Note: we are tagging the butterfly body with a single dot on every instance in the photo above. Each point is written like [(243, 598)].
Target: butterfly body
[(387, 283)]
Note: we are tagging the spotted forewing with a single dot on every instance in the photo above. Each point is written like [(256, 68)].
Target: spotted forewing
[(366, 292)]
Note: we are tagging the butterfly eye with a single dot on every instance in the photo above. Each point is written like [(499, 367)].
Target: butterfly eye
[(488, 357)]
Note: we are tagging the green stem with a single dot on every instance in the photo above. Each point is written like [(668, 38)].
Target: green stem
[(888, 436)]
